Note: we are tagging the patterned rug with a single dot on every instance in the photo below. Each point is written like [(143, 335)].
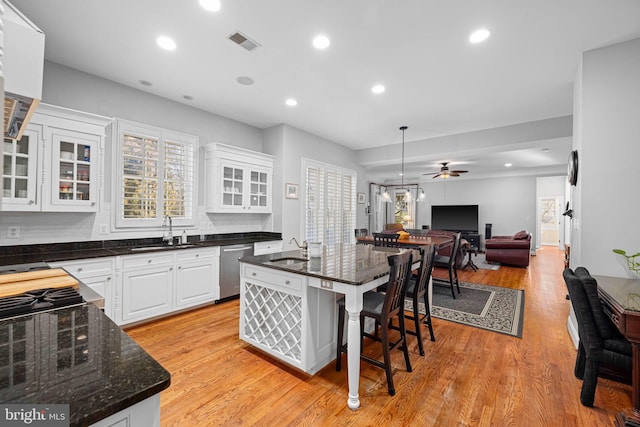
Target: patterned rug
[(480, 261), (483, 306)]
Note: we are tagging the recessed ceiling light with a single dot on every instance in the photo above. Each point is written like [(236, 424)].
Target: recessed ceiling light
[(291, 102), (479, 35), (245, 80), (166, 43), (545, 150), (188, 97), (144, 82), (507, 165), (210, 5), (321, 42), (377, 89)]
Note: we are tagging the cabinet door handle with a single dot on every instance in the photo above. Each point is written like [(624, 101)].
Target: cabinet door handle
[(79, 269), (253, 274), (149, 262), (31, 202), (287, 282)]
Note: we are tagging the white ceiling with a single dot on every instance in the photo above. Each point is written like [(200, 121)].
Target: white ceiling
[(437, 82)]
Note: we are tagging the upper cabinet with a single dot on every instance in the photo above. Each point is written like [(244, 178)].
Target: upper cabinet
[(237, 180), (56, 164)]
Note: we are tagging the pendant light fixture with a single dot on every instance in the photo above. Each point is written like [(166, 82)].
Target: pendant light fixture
[(407, 194)]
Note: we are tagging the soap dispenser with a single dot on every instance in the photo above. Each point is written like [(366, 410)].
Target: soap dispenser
[(184, 237)]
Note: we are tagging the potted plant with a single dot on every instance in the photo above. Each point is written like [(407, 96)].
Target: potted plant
[(632, 264)]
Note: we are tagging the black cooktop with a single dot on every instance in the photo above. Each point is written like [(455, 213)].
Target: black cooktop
[(39, 300)]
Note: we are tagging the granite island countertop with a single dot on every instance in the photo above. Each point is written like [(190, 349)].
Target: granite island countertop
[(76, 356), (347, 263)]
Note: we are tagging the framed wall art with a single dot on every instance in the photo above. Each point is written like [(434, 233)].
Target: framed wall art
[(291, 191)]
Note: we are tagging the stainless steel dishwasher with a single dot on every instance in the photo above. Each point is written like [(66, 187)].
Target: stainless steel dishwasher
[(230, 269)]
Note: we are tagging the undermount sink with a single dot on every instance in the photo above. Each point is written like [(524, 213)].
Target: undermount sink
[(157, 248), (288, 261)]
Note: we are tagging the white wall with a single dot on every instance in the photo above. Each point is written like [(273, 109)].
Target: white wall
[(607, 137), (508, 204), (73, 89), (290, 145)]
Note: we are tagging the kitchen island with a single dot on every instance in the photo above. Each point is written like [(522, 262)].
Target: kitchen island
[(288, 303), (78, 356)]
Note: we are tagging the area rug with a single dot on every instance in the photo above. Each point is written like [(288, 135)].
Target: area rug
[(480, 261), (483, 306)]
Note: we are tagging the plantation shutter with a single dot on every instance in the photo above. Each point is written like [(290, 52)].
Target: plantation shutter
[(155, 176), (330, 204), (178, 179), (139, 198)]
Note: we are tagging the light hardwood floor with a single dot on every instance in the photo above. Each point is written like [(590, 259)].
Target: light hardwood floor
[(468, 377)]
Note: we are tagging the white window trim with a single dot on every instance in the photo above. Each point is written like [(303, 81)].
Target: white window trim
[(125, 126), (306, 162)]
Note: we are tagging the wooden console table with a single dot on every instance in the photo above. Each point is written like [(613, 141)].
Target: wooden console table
[(621, 302)]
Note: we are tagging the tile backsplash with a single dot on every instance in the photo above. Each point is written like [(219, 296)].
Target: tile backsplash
[(24, 228)]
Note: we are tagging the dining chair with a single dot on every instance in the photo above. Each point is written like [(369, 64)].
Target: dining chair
[(449, 262), (417, 233), (382, 308), (417, 291), (602, 349), (389, 240)]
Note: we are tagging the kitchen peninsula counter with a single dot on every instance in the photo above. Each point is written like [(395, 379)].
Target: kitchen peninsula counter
[(288, 303), (79, 356)]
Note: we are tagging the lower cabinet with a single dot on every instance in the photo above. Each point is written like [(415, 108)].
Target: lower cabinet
[(284, 317), (155, 284), (197, 276), (144, 413), (142, 286), (97, 273), (146, 288)]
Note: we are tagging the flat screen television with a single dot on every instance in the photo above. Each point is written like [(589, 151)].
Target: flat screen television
[(455, 218)]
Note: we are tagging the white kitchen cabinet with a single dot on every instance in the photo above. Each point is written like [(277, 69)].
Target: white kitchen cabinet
[(144, 413), (98, 274), (237, 180), (283, 316), (197, 276), (146, 287), (160, 283), (58, 167), (20, 177), (270, 247)]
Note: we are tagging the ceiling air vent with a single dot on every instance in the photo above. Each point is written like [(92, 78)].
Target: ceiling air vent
[(244, 41)]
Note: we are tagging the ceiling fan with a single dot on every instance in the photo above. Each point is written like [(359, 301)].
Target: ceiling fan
[(445, 172)]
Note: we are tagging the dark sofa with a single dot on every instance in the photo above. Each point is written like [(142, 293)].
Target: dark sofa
[(509, 250)]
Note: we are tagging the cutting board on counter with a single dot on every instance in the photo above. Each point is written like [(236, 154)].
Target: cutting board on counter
[(18, 283)]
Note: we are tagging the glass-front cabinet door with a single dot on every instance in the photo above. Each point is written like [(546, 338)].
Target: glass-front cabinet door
[(74, 171), (259, 190), (19, 172), (232, 186)]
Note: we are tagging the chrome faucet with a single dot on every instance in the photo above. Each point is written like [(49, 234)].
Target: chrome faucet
[(304, 246), (167, 237)]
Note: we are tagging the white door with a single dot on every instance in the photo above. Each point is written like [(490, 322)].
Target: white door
[(550, 221)]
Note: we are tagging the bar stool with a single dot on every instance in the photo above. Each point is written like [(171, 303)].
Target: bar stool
[(418, 292), (382, 308)]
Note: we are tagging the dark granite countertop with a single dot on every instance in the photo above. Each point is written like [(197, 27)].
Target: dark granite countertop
[(75, 356), (347, 263), (56, 252)]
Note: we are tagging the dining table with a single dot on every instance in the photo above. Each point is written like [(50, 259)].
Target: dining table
[(439, 242)]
